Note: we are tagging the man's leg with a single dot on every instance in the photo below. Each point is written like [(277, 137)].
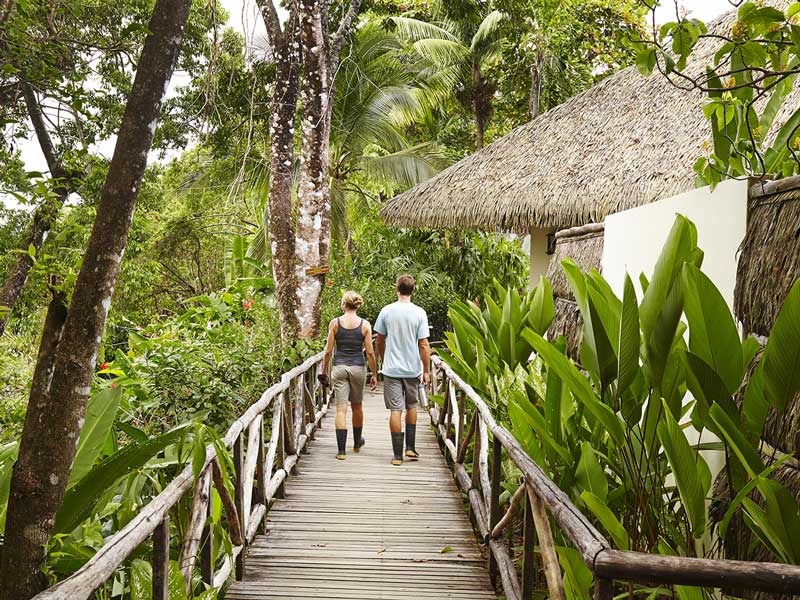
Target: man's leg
[(411, 390), (393, 399)]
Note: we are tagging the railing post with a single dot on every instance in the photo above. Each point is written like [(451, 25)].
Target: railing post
[(207, 544), (476, 457), (462, 418), (494, 507), (161, 560), (603, 589), (280, 453), (262, 477), (528, 550), (239, 500)]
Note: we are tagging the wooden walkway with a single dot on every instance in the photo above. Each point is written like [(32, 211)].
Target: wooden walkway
[(364, 529)]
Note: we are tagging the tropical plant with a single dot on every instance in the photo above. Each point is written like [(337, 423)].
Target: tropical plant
[(747, 83), (613, 433), (461, 44)]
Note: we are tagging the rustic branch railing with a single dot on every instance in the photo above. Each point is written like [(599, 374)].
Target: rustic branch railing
[(482, 487), (259, 477)]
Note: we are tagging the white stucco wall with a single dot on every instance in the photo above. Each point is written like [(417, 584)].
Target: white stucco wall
[(540, 259), (633, 238)]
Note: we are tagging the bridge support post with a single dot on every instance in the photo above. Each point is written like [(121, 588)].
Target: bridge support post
[(603, 589), (206, 545), (494, 506), (239, 499), (529, 551), (161, 560), (259, 494)]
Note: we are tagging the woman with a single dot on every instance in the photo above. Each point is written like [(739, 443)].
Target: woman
[(350, 335)]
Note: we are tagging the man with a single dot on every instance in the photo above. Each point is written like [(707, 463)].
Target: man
[(402, 329)]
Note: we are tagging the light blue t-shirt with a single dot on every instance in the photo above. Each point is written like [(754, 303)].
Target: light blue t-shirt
[(403, 324)]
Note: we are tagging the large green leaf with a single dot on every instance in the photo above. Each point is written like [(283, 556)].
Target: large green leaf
[(682, 239), (578, 385), (713, 335), (142, 582), (629, 338), (691, 472), (80, 499), (733, 433), (101, 411), (782, 354), (8, 455), (542, 308), (590, 475), (707, 388), (607, 519)]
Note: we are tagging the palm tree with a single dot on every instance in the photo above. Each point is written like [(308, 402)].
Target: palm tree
[(378, 97), (463, 43)]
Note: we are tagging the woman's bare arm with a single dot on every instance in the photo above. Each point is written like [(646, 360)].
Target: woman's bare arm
[(329, 344)]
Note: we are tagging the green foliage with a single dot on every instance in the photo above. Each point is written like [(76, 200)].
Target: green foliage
[(747, 82), (613, 434)]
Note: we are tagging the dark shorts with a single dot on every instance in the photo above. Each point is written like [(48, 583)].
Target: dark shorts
[(400, 393)]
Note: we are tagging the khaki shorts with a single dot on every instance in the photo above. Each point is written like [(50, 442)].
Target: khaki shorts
[(348, 384), (400, 393)]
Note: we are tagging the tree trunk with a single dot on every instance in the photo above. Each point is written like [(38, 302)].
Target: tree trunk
[(54, 422), (313, 189), (479, 106), (535, 98), (286, 52), (43, 218)]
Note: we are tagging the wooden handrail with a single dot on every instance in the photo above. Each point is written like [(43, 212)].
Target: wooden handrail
[(102, 566), (605, 562)]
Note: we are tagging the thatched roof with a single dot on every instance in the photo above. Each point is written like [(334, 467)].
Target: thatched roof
[(584, 245), (769, 258), (627, 141)]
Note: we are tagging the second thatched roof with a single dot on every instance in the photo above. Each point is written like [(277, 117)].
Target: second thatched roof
[(627, 141)]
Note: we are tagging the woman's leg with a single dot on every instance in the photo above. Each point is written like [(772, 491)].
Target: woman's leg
[(341, 391)]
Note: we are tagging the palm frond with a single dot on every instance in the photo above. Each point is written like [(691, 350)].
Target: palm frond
[(406, 167), (415, 30), (441, 53), (488, 31)]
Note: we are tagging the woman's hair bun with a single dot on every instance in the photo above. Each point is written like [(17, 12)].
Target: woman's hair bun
[(352, 300)]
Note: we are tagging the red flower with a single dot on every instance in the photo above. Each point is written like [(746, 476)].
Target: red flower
[(113, 384), (248, 304), (103, 366), (330, 283)]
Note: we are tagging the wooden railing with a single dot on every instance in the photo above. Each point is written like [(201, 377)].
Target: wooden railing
[(298, 405), (540, 495)]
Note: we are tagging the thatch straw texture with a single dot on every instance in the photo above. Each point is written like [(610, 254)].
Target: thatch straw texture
[(769, 260), (586, 250), (627, 141)]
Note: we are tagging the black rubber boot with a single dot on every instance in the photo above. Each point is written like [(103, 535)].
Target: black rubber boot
[(341, 442), (397, 447), (411, 440), (358, 440)]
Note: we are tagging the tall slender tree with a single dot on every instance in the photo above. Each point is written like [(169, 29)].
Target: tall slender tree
[(320, 63), (66, 366), (300, 251), (45, 214), (285, 44)]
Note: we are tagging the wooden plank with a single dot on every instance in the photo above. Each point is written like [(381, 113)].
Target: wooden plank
[(361, 528), (199, 513)]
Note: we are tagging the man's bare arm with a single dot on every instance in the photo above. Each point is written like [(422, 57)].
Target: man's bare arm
[(380, 342), (425, 357)]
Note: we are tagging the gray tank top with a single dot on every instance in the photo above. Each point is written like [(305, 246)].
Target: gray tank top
[(349, 345)]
